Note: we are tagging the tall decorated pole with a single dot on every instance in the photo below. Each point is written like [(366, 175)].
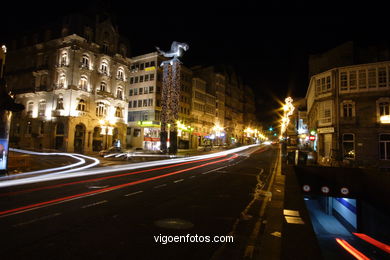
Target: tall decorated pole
[(7, 105), (170, 96)]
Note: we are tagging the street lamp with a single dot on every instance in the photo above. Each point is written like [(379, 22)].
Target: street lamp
[(106, 130), (218, 130)]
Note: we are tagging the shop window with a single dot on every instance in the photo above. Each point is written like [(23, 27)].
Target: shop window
[(348, 146)]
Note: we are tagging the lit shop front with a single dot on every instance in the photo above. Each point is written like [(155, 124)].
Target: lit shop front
[(151, 135)]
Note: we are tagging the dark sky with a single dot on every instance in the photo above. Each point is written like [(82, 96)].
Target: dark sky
[(268, 47)]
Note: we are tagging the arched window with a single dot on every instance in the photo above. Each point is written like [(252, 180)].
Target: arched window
[(60, 102), (42, 108), (118, 112), (62, 80), (64, 59), (85, 61), (120, 74), (103, 86), (81, 105), (101, 109), (83, 83), (104, 67), (119, 92), (30, 108)]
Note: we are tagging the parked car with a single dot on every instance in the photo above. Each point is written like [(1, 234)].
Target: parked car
[(112, 149)]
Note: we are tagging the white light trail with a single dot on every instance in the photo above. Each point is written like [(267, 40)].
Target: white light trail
[(116, 168)]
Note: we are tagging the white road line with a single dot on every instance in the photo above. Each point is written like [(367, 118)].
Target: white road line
[(159, 186), (178, 180), (94, 204), (37, 219), (215, 169), (133, 193), (193, 176), (98, 187)]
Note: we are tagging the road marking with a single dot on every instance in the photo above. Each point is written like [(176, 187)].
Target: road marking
[(215, 170), (98, 187), (133, 193), (178, 180), (193, 176), (37, 219), (159, 186), (94, 204)]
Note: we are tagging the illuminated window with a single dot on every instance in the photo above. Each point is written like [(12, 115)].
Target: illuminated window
[(30, 108), (64, 59), (85, 61), (104, 67), (384, 146), (118, 112), (120, 74), (101, 109), (42, 108), (62, 81), (145, 102), (83, 83), (135, 91), (328, 83), (60, 102), (150, 102), (81, 105), (146, 90)]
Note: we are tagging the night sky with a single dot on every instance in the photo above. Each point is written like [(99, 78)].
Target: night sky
[(269, 52)]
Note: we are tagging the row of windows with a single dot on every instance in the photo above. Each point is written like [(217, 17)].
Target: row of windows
[(364, 79), (349, 146), (348, 108), (323, 85), (103, 68), (140, 91), (141, 103), (142, 66), (142, 78)]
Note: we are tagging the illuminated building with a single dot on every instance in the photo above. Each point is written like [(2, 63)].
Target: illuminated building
[(72, 80), (144, 103), (348, 108)]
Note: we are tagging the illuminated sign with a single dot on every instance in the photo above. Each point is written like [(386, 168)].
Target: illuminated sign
[(325, 130), (149, 123), (150, 68), (5, 118), (385, 119), (312, 138)]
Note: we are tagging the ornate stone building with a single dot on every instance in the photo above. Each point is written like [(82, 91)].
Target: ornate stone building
[(72, 79)]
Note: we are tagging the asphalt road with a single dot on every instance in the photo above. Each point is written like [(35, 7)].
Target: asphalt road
[(119, 215)]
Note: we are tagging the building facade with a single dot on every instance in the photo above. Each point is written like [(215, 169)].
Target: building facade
[(349, 109), (73, 84)]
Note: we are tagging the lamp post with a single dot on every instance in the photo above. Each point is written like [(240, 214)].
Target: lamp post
[(106, 130)]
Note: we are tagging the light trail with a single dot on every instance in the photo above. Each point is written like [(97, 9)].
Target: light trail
[(58, 169), (116, 168), (350, 249), (374, 242), (103, 190), (103, 178)]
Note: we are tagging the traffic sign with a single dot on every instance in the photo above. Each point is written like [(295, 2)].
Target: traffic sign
[(306, 188), (344, 191), (325, 189)]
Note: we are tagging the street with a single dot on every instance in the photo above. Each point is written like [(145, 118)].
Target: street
[(118, 215)]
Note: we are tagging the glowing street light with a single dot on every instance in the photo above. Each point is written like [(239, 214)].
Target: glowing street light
[(288, 109)]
